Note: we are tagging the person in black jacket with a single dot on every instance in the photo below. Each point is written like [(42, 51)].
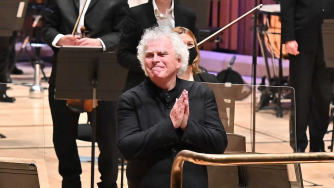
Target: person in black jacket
[(164, 115), (4, 74), (139, 18), (103, 19), (302, 35), (193, 72)]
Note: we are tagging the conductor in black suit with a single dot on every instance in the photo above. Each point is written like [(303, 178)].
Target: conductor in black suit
[(139, 18), (103, 19), (165, 114), (302, 35)]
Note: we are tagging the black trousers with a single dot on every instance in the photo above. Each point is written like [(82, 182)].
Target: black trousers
[(4, 50), (65, 131), (313, 93)]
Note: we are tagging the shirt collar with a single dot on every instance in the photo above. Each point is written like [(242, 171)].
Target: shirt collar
[(166, 96), (157, 12)]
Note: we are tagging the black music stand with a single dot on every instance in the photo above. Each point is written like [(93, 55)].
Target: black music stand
[(12, 14), (89, 73)]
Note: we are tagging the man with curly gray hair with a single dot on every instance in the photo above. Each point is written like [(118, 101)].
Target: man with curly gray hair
[(155, 34), (164, 115)]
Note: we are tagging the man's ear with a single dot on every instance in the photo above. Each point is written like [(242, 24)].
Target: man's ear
[(179, 63)]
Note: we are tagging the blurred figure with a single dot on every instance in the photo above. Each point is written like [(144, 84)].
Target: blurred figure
[(4, 74), (193, 72), (302, 35)]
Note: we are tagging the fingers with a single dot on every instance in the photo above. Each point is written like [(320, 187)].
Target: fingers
[(83, 42), (292, 47)]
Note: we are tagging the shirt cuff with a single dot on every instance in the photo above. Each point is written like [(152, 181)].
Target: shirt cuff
[(104, 46), (55, 41)]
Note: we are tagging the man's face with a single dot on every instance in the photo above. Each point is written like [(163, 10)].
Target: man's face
[(160, 59)]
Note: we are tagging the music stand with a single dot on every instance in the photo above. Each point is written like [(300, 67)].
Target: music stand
[(89, 73), (12, 14)]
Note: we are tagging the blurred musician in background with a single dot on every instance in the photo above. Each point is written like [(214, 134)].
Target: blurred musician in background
[(193, 72), (4, 74), (302, 35), (165, 114), (139, 18), (103, 19)]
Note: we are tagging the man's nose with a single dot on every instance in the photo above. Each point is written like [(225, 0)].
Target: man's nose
[(155, 58)]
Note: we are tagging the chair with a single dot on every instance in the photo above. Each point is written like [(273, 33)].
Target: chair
[(277, 176)]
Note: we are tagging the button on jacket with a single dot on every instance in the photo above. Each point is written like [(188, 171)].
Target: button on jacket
[(148, 140)]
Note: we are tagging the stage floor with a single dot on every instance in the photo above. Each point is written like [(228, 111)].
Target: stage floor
[(27, 124)]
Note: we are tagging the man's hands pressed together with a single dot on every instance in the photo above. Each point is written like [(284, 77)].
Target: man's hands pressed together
[(180, 111)]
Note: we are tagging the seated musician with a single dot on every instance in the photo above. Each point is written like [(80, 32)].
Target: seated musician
[(193, 72), (164, 115)]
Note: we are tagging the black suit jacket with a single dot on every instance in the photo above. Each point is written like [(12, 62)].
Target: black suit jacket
[(137, 20), (205, 77), (103, 20), (148, 140), (301, 21)]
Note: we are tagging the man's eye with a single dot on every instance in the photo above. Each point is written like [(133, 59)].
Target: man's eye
[(149, 55), (162, 54)]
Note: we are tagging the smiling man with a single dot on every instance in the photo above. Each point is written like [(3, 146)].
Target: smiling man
[(164, 115), (153, 13)]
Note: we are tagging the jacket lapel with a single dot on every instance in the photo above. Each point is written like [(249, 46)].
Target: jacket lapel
[(150, 14), (92, 3), (177, 17), (76, 2)]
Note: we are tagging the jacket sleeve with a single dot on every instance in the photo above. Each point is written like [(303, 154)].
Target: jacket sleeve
[(288, 9), (52, 24), (127, 51), (134, 142), (111, 40), (210, 134)]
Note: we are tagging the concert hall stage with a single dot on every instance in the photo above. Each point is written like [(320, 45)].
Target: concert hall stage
[(27, 124)]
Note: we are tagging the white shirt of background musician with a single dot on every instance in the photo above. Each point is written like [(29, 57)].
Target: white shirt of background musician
[(81, 23), (165, 19)]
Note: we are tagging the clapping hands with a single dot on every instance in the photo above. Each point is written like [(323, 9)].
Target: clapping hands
[(180, 111)]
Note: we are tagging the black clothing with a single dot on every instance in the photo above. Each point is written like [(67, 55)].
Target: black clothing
[(4, 74), (4, 50), (313, 93), (65, 131), (137, 20), (147, 138), (205, 77), (103, 20), (301, 21)]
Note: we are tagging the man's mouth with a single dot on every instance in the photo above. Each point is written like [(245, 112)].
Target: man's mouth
[(157, 68)]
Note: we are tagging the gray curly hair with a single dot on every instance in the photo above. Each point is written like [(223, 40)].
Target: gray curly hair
[(155, 33)]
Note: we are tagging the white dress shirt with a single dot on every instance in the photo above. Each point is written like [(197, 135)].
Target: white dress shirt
[(164, 19), (81, 23)]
